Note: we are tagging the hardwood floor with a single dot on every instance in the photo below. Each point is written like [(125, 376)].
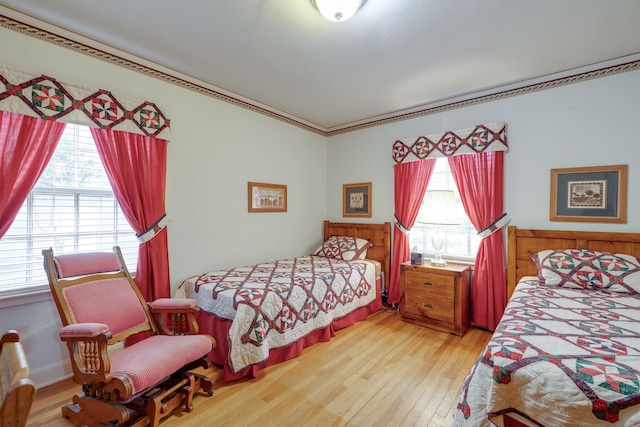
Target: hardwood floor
[(380, 372)]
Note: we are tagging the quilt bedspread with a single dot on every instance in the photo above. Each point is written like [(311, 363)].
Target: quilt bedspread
[(272, 305), (559, 357)]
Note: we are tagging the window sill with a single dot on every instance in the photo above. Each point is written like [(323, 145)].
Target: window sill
[(427, 256), (34, 295)]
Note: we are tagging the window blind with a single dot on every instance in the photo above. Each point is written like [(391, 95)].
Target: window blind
[(72, 209), (462, 240)]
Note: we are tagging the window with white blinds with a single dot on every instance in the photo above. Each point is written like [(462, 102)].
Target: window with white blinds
[(72, 209), (462, 240)]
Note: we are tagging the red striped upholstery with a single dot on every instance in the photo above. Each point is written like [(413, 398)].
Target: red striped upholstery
[(173, 303), (97, 301), (88, 263), (100, 305), (152, 360)]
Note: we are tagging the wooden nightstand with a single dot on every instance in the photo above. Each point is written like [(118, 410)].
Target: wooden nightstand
[(436, 297)]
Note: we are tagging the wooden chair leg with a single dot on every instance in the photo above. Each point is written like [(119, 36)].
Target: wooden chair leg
[(87, 411), (205, 384), (188, 391)]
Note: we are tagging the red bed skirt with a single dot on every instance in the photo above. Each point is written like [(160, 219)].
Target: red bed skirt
[(219, 329)]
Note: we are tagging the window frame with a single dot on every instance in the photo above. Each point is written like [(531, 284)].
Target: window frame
[(31, 288), (442, 168)]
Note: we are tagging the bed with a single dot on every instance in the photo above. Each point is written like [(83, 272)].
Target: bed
[(267, 313), (567, 349)]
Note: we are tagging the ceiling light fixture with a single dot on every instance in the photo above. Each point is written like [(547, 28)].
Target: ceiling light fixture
[(338, 10)]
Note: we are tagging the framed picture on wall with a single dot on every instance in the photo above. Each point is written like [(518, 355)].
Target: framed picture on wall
[(356, 200), (267, 197), (589, 194)]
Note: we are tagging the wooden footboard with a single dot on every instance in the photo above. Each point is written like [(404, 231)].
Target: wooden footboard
[(378, 234), (522, 243)]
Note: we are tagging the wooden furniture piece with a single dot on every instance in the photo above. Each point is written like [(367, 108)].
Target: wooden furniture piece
[(100, 305), (16, 389), (436, 297), (522, 243)]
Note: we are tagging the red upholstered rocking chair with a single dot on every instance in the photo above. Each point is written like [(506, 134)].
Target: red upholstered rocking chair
[(100, 305)]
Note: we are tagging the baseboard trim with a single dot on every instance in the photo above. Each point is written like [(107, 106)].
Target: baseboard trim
[(51, 373)]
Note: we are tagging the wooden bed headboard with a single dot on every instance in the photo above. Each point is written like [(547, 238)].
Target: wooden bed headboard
[(378, 234), (522, 243)]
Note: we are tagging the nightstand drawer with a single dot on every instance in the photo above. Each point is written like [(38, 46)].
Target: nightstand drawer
[(436, 296), (430, 284), (429, 307)]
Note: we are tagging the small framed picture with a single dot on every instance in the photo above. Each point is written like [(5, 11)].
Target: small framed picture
[(356, 200), (589, 194), (267, 197)]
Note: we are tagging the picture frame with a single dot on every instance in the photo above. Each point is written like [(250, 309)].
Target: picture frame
[(263, 197), (356, 200), (589, 194)]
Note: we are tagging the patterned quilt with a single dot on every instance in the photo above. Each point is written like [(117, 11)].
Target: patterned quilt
[(559, 357), (274, 304)]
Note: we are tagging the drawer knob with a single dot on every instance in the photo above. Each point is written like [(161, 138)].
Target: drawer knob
[(427, 306), (428, 284)]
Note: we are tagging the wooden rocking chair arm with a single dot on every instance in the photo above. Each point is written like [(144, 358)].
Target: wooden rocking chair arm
[(175, 316), (9, 336), (88, 347), (174, 305), (94, 377), (85, 332)]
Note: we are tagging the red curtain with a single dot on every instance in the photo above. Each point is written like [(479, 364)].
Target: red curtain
[(137, 166), (410, 182), (26, 146), (480, 179)]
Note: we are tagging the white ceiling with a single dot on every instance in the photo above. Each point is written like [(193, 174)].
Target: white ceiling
[(392, 57)]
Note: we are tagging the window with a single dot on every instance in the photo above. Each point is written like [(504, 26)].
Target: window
[(462, 240), (72, 209)]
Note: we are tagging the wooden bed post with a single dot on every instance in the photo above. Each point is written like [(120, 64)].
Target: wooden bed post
[(511, 260)]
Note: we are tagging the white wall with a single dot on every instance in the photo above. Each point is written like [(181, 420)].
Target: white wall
[(590, 123), (215, 149)]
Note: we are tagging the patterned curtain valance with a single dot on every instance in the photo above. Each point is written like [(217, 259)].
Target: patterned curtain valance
[(46, 98), (478, 139)]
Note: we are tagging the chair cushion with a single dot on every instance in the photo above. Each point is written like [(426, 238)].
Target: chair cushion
[(109, 301), (151, 360), (83, 330), (173, 304), (86, 263)]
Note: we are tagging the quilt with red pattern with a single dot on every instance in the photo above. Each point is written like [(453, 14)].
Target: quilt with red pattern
[(274, 304), (559, 357)]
